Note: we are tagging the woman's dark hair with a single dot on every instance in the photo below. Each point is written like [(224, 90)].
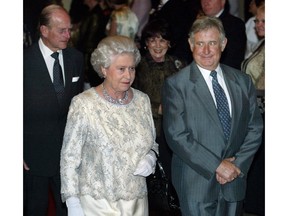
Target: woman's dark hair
[(157, 28)]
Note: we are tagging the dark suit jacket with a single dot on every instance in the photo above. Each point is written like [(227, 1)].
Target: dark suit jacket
[(44, 118), (235, 31), (180, 14), (194, 133)]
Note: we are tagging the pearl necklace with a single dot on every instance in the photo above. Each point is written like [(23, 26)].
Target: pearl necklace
[(120, 101)]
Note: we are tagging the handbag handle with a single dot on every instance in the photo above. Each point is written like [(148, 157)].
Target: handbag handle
[(161, 169)]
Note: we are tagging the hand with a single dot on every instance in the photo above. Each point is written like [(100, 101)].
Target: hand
[(221, 180), (227, 171), (25, 166), (74, 207), (147, 165)]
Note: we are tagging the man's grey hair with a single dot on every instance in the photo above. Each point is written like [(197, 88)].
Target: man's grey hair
[(204, 23)]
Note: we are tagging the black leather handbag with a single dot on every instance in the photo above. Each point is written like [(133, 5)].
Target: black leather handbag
[(161, 193)]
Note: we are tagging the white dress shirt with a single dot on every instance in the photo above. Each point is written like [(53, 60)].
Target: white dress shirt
[(208, 79)]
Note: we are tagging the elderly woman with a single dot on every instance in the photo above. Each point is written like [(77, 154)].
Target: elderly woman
[(109, 142)]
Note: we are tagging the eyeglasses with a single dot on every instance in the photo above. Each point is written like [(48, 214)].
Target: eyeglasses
[(258, 21)]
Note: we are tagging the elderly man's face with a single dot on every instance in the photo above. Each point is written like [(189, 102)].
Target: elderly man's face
[(212, 7), (56, 35), (207, 48)]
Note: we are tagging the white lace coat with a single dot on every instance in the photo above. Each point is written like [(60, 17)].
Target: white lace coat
[(103, 143)]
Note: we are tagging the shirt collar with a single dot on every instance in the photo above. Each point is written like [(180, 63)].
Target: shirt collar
[(206, 73), (219, 14), (45, 50)]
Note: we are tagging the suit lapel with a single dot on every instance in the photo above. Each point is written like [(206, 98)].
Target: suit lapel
[(68, 70), (42, 75), (42, 70), (235, 96)]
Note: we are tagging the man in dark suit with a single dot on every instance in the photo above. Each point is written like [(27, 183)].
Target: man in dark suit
[(44, 113), (234, 29), (210, 163)]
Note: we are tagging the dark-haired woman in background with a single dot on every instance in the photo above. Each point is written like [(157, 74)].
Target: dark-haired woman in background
[(155, 66)]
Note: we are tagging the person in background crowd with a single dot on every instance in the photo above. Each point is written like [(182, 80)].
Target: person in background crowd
[(211, 154), (234, 7), (255, 64), (45, 110), (235, 32), (180, 14), (123, 21), (155, 66), (91, 32), (31, 13), (252, 37), (109, 142), (78, 11), (142, 10), (255, 67)]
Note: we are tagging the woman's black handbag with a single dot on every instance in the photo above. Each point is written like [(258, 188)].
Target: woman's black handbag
[(161, 193)]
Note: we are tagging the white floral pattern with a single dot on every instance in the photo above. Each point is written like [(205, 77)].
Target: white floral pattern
[(102, 145)]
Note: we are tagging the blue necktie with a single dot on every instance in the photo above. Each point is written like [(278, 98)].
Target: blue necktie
[(222, 105), (58, 77)]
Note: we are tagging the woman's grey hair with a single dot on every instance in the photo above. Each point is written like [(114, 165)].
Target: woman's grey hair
[(110, 47), (204, 23)]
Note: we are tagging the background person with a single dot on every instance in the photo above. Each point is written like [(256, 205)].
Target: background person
[(255, 67), (91, 32), (44, 114), (155, 66), (123, 21), (234, 29), (109, 142), (209, 166), (252, 37)]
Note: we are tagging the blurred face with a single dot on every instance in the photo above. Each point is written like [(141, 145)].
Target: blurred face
[(212, 7), (207, 48), (57, 34), (260, 24), (157, 47), (252, 7), (121, 73)]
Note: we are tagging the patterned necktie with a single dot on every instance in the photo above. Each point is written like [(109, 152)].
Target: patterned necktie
[(58, 77), (222, 105)]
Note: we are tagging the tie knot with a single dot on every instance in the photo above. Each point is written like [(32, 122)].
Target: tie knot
[(55, 55), (213, 74)]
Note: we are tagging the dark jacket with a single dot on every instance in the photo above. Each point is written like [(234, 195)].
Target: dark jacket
[(235, 31), (44, 118)]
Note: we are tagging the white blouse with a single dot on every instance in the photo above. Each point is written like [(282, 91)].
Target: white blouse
[(102, 145)]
